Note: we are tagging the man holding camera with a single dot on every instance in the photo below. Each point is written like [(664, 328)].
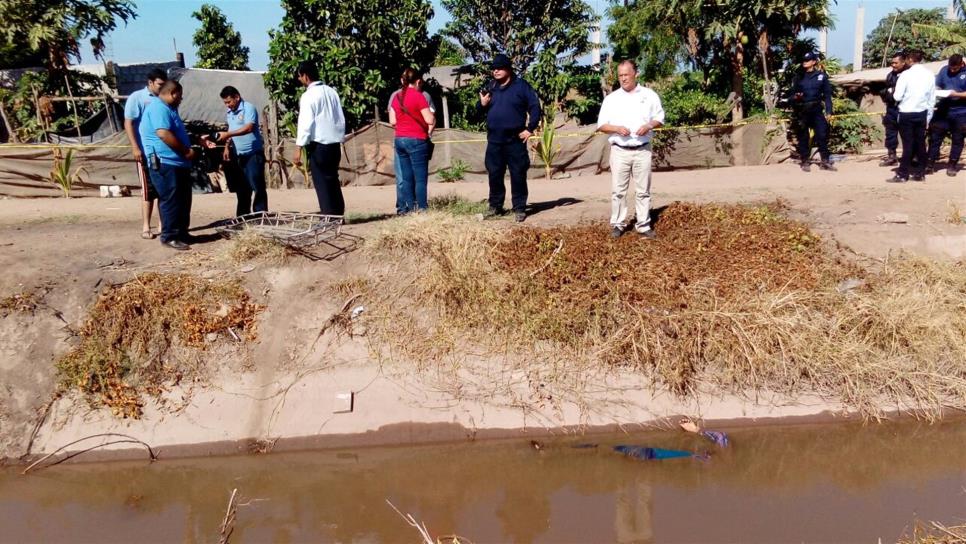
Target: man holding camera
[(512, 115), (890, 120), (244, 146), (169, 155)]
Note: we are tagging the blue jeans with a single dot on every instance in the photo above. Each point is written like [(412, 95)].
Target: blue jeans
[(173, 184), (412, 174), (252, 166)]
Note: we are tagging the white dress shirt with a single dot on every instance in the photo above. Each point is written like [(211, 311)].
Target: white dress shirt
[(631, 110), (915, 89), (320, 116)]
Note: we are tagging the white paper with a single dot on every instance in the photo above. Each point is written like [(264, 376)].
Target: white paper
[(942, 93)]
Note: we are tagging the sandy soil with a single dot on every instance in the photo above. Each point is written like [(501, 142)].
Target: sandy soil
[(74, 248)]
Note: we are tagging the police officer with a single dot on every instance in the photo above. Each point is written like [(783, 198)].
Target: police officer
[(951, 78), (890, 121), (812, 101)]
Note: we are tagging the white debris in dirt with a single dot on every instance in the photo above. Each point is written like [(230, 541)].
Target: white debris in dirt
[(357, 311), (893, 217), (847, 285)]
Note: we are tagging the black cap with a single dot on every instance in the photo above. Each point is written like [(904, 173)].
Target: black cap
[(500, 62), (809, 56)]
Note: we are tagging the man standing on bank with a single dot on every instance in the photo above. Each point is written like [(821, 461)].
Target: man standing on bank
[(952, 78), (630, 114), (321, 130), (243, 144), (512, 115), (812, 100), (915, 93), (890, 121), (133, 110), (169, 155)]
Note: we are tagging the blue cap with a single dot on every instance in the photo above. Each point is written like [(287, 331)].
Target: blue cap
[(500, 62), (809, 56)]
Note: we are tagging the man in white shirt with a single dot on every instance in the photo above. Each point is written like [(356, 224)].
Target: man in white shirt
[(321, 130), (915, 95), (630, 115)]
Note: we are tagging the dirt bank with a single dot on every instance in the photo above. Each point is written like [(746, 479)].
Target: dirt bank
[(286, 384)]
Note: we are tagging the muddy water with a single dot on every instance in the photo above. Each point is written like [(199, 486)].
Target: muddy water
[(831, 483)]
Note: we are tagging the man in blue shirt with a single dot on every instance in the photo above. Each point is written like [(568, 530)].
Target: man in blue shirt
[(169, 155), (133, 109), (243, 144), (512, 115), (951, 78)]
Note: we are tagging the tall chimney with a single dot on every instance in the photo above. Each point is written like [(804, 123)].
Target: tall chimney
[(859, 37)]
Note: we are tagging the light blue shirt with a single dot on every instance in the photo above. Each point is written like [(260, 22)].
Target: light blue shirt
[(134, 109), (244, 114), (158, 115), (320, 116)]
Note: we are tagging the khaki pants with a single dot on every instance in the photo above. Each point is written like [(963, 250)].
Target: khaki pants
[(627, 165)]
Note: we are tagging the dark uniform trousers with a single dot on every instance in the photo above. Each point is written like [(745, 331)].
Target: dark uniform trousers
[(812, 116), (500, 157), (890, 121), (912, 132), (954, 124)]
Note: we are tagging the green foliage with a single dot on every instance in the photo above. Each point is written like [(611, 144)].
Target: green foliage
[(686, 103), (851, 134), (463, 111), (903, 36), (54, 29), (58, 116), (360, 48), (547, 147), (585, 96), (658, 50), (450, 54), (454, 172), (61, 174), (457, 205), (953, 34), (219, 44), (542, 39)]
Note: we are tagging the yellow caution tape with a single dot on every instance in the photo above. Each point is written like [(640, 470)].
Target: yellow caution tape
[(753, 121)]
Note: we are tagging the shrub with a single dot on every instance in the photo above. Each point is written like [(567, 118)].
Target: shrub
[(454, 172)]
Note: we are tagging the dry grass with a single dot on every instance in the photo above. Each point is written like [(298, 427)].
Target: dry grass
[(248, 245), (735, 297), (129, 345), (25, 302), (935, 533), (955, 214)]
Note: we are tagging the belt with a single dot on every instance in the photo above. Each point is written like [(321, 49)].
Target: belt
[(631, 147)]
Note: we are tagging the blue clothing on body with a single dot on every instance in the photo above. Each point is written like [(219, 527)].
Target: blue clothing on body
[(244, 114), (815, 89), (134, 108), (952, 82), (507, 112), (160, 115)]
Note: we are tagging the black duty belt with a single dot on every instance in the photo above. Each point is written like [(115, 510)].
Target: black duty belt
[(630, 147)]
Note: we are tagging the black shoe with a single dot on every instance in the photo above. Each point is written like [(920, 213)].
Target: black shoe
[(176, 244), (930, 169), (806, 167), (897, 179), (920, 177), (520, 217), (495, 212), (951, 171), (890, 160), (827, 165), (616, 232), (648, 234)]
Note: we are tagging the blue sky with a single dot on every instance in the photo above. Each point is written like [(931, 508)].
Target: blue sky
[(160, 23)]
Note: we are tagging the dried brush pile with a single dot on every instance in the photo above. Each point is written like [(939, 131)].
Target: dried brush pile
[(736, 297), (131, 343)]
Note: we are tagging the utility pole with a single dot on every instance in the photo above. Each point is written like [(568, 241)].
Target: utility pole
[(859, 37)]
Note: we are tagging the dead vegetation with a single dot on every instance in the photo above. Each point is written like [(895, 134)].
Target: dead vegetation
[(249, 245), (734, 297), (25, 302), (139, 337), (935, 533)]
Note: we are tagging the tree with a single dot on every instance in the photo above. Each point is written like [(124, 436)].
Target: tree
[(449, 53), (542, 38), (219, 44), (360, 48), (715, 37), (895, 33), (55, 28)]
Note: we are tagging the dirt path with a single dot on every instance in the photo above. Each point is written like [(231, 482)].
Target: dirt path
[(73, 248)]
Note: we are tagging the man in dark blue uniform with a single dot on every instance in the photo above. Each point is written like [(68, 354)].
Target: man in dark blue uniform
[(890, 121), (812, 100), (952, 77), (512, 115)]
